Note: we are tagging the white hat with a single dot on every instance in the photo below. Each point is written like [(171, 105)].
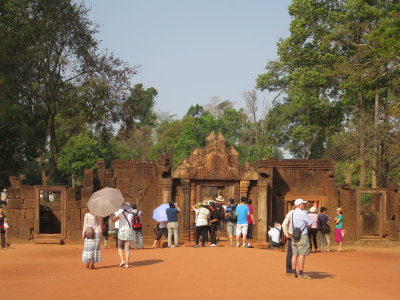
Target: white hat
[(299, 201), (313, 210), (219, 198), (4, 190)]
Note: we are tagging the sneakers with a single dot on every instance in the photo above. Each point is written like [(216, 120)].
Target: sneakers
[(213, 245), (304, 276), (293, 275), (196, 246)]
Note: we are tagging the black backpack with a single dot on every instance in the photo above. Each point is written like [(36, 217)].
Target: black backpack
[(325, 228), (220, 211), (232, 215)]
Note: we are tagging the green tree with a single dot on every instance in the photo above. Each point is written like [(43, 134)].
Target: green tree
[(80, 152)]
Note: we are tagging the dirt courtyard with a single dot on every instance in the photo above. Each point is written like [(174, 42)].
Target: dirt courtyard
[(55, 272)]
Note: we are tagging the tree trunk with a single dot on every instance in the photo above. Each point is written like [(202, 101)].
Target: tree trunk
[(362, 146), (376, 158), (45, 179)]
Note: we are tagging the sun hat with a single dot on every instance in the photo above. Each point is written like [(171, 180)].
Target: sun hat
[(126, 206), (339, 209), (219, 198), (299, 201), (4, 190), (313, 210)]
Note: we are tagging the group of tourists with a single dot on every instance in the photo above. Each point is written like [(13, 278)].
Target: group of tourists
[(300, 229), (211, 217), (128, 226)]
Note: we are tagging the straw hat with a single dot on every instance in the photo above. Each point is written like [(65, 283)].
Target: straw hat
[(313, 210), (339, 209), (219, 199)]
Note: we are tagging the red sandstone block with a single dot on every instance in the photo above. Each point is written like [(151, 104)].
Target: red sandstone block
[(123, 182), (27, 192), (101, 164), (317, 191), (12, 233), (84, 203), (124, 173), (109, 182), (88, 173), (56, 206), (29, 213), (13, 193), (24, 233), (104, 173), (30, 203), (74, 224), (75, 234), (331, 191), (71, 194), (73, 204), (57, 214), (75, 214), (88, 182), (13, 213), (26, 223), (13, 223), (86, 193), (14, 204)]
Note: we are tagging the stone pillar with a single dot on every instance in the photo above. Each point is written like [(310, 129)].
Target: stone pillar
[(262, 222), (244, 188), (184, 227), (166, 187)]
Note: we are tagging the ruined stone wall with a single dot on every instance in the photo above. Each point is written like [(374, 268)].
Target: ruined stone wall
[(393, 212)]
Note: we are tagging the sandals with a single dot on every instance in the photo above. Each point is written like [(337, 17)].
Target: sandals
[(122, 264)]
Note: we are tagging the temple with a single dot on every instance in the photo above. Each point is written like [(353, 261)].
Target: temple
[(41, 212)]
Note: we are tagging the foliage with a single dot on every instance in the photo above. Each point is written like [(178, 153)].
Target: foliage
[(80, 152)]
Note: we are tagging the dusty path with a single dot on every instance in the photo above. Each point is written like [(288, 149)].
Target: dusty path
[(55, 272)]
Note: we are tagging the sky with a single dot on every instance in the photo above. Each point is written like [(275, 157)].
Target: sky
[(191, 50)]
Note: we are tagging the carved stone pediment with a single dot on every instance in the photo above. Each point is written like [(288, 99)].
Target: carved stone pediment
[(213, 162)]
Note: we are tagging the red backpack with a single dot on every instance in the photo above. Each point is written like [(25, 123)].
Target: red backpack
[(136, 223)]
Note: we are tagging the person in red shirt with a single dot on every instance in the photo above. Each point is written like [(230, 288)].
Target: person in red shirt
[(250, 220)]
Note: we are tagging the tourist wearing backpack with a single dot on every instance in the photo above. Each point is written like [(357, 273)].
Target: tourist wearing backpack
[(324, 230), (202, 216), (300, 243), (137, 226), (231, 218)]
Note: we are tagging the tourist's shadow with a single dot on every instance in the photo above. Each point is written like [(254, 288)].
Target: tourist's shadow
[(139, 263), (319, 275)]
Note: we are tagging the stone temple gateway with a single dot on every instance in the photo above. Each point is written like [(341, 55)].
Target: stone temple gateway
[(55, 212)]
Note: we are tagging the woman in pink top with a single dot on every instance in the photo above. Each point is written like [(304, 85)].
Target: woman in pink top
[(91, 248), (312, 232)]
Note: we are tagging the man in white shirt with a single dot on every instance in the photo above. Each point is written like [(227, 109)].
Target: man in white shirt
[(4, 198), (301, 246), (275, 234)]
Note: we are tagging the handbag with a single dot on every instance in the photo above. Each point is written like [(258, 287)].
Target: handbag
[(6, 226), (89, 233)]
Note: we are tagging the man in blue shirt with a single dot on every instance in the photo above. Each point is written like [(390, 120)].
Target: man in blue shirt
[(242, 211), (172, 216), (300, 247)]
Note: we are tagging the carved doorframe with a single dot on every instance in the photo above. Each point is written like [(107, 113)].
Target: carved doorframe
[(51, 188)]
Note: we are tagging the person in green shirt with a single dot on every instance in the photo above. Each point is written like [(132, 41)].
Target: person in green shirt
[(339, 227)]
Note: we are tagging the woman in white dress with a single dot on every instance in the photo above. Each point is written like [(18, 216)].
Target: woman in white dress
[(91, 234), (125, 232)]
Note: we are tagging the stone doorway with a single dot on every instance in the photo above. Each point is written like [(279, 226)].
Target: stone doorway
[(50, 211), (370, 213)]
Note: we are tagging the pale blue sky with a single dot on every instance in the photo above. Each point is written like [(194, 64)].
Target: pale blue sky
[(190, 50)]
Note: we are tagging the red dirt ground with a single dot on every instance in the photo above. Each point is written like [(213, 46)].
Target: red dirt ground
[(55, 272)]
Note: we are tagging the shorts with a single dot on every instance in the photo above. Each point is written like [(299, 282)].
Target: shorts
[(302, 246), (231, 228), (241, 229), (250, 231)]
